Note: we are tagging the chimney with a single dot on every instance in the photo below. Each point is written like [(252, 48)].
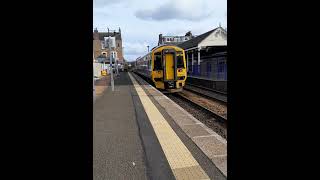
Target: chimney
[(95, 34), (160, 39), (189, 34)]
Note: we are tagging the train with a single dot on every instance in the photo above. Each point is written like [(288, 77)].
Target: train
[(127, 66), (165, 67)]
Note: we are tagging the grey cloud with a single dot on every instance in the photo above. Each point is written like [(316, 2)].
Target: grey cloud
[(167, 12)]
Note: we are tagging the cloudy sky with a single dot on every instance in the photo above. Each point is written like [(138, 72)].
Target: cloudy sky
[(141, 21)]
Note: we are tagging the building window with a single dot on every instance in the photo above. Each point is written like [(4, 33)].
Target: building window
[(102, 45), (114, 54), (118, 44)]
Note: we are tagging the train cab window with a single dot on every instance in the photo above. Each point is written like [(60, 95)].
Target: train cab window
[(180, 63), (157, 61)]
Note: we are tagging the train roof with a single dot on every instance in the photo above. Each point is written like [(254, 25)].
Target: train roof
[(156, 47)]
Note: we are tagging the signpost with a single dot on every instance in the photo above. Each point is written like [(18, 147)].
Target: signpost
[(110, 65), (116, 61), (94, 89)]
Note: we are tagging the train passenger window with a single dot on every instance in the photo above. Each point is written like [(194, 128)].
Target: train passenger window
[(150, 65), (157, 61), (180, 63)]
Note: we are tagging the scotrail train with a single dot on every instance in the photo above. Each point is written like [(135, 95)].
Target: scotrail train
[(165, 66)]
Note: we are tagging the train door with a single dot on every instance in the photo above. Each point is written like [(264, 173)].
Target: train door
[(169, 65)]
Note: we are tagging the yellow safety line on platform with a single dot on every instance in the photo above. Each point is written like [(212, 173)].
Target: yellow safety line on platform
[(181, 161)]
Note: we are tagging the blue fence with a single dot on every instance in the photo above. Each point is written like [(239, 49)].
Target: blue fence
[(195, 71), (215, 69)]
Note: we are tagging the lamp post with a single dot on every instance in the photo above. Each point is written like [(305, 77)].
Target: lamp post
[(110, 64), (116, 63), (94, 89), (148, 48)]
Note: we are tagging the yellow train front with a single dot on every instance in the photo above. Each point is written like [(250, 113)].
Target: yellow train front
[(165, 66)]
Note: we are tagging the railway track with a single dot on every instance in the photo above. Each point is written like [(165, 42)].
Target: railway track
[(210, 118), (208, 89), (204, 92), (211, 112)]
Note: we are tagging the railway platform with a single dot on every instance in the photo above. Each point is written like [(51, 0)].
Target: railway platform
[(100, 85), (139, 133)]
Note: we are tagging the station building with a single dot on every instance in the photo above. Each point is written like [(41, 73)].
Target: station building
[(206, 55)]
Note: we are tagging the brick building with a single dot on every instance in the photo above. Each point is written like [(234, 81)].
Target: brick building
[(100, 45)]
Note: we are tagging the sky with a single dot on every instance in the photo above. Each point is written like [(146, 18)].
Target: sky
[(141, 21)]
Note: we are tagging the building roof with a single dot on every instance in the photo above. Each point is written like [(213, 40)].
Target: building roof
[(106, 34), (195, 41)]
